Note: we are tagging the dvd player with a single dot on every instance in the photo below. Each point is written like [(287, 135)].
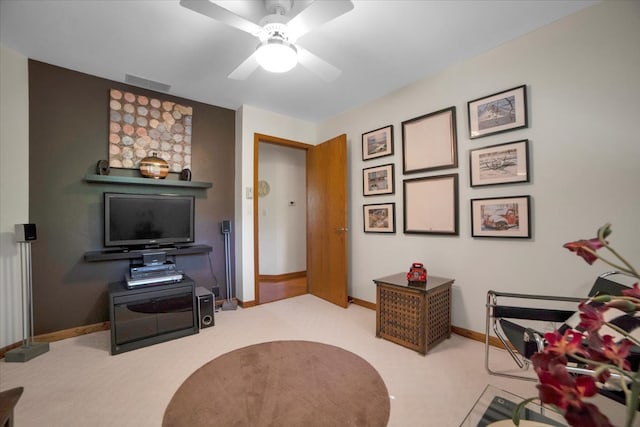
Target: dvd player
[(151, 279), (140, 271)]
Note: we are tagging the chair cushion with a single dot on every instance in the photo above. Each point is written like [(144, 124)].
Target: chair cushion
[(529, 313), (515, 335), (604, 285)]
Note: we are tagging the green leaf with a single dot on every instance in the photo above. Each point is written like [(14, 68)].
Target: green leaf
[(604, 231), (515, 417)]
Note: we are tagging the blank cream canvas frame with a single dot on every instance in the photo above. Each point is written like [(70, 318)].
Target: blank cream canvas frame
[(431, 205), (429, 142)]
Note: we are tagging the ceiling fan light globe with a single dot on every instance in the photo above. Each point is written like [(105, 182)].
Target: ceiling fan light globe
[(277, 56)]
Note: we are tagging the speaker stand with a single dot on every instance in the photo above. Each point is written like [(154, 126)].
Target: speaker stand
[(29, 349), (229, 303)]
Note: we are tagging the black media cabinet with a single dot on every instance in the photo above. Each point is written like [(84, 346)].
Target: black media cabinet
[(152, 314)]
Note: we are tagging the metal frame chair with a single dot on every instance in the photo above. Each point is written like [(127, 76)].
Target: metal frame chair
[(522, 342)]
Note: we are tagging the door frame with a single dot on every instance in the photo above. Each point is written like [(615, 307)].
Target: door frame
[(268, 139)]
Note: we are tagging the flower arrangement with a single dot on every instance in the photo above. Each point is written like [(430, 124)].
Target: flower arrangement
[(590, 347)]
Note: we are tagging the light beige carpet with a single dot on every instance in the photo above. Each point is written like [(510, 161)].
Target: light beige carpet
[(282, 383)]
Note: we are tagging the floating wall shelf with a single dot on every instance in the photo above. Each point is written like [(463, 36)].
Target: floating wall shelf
[(130, 180), (116, 254)]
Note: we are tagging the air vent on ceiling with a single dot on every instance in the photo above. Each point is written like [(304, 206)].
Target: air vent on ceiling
[(146, 83)]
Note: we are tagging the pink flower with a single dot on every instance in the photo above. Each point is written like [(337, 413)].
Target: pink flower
[(633, 292), (562, 345), (557, 387), (588, 349), (617, 353), (587, 415), (590, 317), (585, 248)]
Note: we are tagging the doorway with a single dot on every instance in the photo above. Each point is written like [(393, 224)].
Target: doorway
[(282, 229), (326, 217)]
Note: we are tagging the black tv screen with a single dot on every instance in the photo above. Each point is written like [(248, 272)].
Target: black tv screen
[(132, 220)]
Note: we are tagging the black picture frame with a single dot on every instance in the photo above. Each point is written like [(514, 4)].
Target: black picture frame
[(502, 217), (379, 218), (377, 143), (430, 142), (431, 205), (506, 163), (378, 180), (497, 113)]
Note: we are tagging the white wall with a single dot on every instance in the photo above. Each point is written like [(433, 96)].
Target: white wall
[(14, 186), (582, 76), (283, 212), (249, 121)]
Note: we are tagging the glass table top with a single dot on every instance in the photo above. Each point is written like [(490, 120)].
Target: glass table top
[(494, 408)]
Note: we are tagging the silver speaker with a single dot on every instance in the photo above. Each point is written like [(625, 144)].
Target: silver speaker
[(25, 232)]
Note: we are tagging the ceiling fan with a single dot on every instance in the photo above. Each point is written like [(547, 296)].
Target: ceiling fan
[(278, 33)]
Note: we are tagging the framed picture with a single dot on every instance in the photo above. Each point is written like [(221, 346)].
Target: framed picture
[(380, 218), (378, 180), (500, 112), (501, 217), (142, 126), (377, 143), (500, 164), (429, 142), (431, 205)]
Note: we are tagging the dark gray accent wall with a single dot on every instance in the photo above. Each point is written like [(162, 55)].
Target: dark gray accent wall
[(68, 134)]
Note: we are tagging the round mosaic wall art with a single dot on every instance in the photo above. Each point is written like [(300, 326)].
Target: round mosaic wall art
[(140, 125)]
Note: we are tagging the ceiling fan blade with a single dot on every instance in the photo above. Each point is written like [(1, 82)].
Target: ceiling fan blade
[(316, 14), (221, 14), (322, 68), (245, 69)]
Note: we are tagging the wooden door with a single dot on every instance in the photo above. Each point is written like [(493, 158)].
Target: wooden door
[(327, 220)]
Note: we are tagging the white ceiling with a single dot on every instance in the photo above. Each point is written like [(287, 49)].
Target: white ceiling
[(380, 46)]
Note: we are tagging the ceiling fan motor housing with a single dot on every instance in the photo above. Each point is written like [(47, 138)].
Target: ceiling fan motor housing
[(275, 30), (274, 25)]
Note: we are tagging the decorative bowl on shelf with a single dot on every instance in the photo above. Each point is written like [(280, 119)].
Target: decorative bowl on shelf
[(154, 167)]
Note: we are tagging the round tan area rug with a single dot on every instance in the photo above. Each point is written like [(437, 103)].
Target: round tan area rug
[(282, 383)]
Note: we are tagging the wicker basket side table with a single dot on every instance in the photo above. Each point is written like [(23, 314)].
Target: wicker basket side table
[(417, 317)]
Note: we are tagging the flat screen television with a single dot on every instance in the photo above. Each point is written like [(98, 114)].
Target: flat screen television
[(148, 220)]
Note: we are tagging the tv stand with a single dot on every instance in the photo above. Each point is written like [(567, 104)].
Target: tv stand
[(125, 253), (149, 315)]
